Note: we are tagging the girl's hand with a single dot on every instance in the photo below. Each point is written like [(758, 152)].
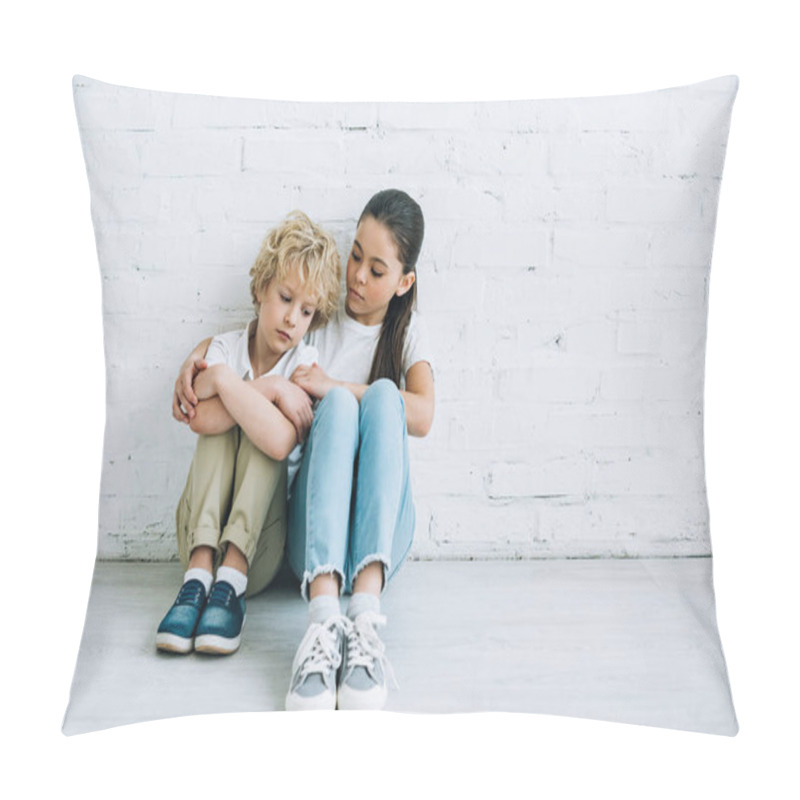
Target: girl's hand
[(206, 384), (313, 380), (184, 399), (295, 404)]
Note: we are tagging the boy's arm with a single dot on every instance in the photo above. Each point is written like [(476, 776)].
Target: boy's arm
[(212, 417), (247, 406)]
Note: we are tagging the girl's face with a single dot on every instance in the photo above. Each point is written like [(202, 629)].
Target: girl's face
[(374, 273), (285, 312)]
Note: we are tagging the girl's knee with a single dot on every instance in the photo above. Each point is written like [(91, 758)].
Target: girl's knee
[(339, 403), (381, 406), (382, 392), (339, 397)]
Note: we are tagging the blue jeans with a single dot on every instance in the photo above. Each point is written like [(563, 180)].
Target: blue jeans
[(351, 502)]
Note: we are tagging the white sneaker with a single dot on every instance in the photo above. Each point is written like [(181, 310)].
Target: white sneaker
[(313, 685), (362, 683)]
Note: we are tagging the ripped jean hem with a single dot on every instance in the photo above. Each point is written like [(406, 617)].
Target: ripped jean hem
[(365, 562), (327, 569)]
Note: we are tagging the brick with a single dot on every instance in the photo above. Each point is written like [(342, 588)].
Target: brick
[(650, 471), (401, 154), (504, 246), (640, 383), (543, 475), (567, 383), (198, 112), (482, 154), (520, 423), (662, 202), (295, 155), (425, 116), (448, 477), (493, 525), (637, 527), (119, 109), (179, 156), (590, 429), (688, 159), (578, 203), (589, 158), (642, 337), (448, 292), (464, 425), (600, 246), (595, 338), (681, 247), (463, 202), (650, 113)]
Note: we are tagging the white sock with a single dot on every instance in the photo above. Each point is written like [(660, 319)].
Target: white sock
[(199, 574), (235, 578), (322, 608), (361, 602)]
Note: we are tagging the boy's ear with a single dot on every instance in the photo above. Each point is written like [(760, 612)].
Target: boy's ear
[(406, 282)]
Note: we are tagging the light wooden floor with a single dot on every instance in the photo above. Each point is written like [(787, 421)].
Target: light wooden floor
[(630, 641)]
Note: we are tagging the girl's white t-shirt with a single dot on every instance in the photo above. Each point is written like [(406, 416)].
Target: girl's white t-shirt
[(233, 349), (346, 347)]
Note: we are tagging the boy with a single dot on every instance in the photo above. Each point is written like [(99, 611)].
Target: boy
[(250, 419)]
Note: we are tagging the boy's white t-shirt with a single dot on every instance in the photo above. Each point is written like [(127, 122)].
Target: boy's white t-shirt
[(233, 349), (346, 347)]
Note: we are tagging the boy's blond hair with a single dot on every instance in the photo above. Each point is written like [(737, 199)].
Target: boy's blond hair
[(299, 242)]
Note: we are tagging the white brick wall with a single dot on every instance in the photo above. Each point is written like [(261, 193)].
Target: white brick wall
[(564, 279)]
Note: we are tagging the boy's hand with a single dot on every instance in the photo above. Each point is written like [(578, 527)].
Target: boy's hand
[(184, 399), (295, 404), (313, 380)]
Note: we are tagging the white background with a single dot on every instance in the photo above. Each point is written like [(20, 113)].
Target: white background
[(53, 384)]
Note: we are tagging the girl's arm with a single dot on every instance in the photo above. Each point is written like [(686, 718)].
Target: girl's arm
[(266, 427), (418, 395)]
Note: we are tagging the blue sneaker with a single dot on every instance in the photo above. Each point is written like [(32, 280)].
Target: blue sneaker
[(176, 631), (219, 630)]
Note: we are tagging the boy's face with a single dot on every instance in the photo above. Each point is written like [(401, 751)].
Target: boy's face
[(286, 310)]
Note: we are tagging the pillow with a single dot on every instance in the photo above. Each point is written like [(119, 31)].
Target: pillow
[(562, 529)]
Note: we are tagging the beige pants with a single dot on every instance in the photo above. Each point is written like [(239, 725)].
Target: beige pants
[(235, 493)]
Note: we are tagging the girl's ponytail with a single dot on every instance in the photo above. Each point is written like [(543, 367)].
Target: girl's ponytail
[(403, 218)]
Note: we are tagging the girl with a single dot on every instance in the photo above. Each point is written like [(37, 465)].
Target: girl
[(351, 515)]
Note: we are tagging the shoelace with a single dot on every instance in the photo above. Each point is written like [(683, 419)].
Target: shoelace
[(222, 594), (319, 650), (364, 646), (191, 592)]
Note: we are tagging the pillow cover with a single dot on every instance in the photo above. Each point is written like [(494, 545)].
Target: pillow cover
[(564, 284)]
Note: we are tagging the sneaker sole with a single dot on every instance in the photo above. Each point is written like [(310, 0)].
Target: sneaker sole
[(216, 645), (361, 700), (320, 702), (170, 643)]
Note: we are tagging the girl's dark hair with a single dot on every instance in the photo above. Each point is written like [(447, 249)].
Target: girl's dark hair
[(402, 217)]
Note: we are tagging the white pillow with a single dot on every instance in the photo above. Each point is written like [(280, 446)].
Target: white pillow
[(563, 280)]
